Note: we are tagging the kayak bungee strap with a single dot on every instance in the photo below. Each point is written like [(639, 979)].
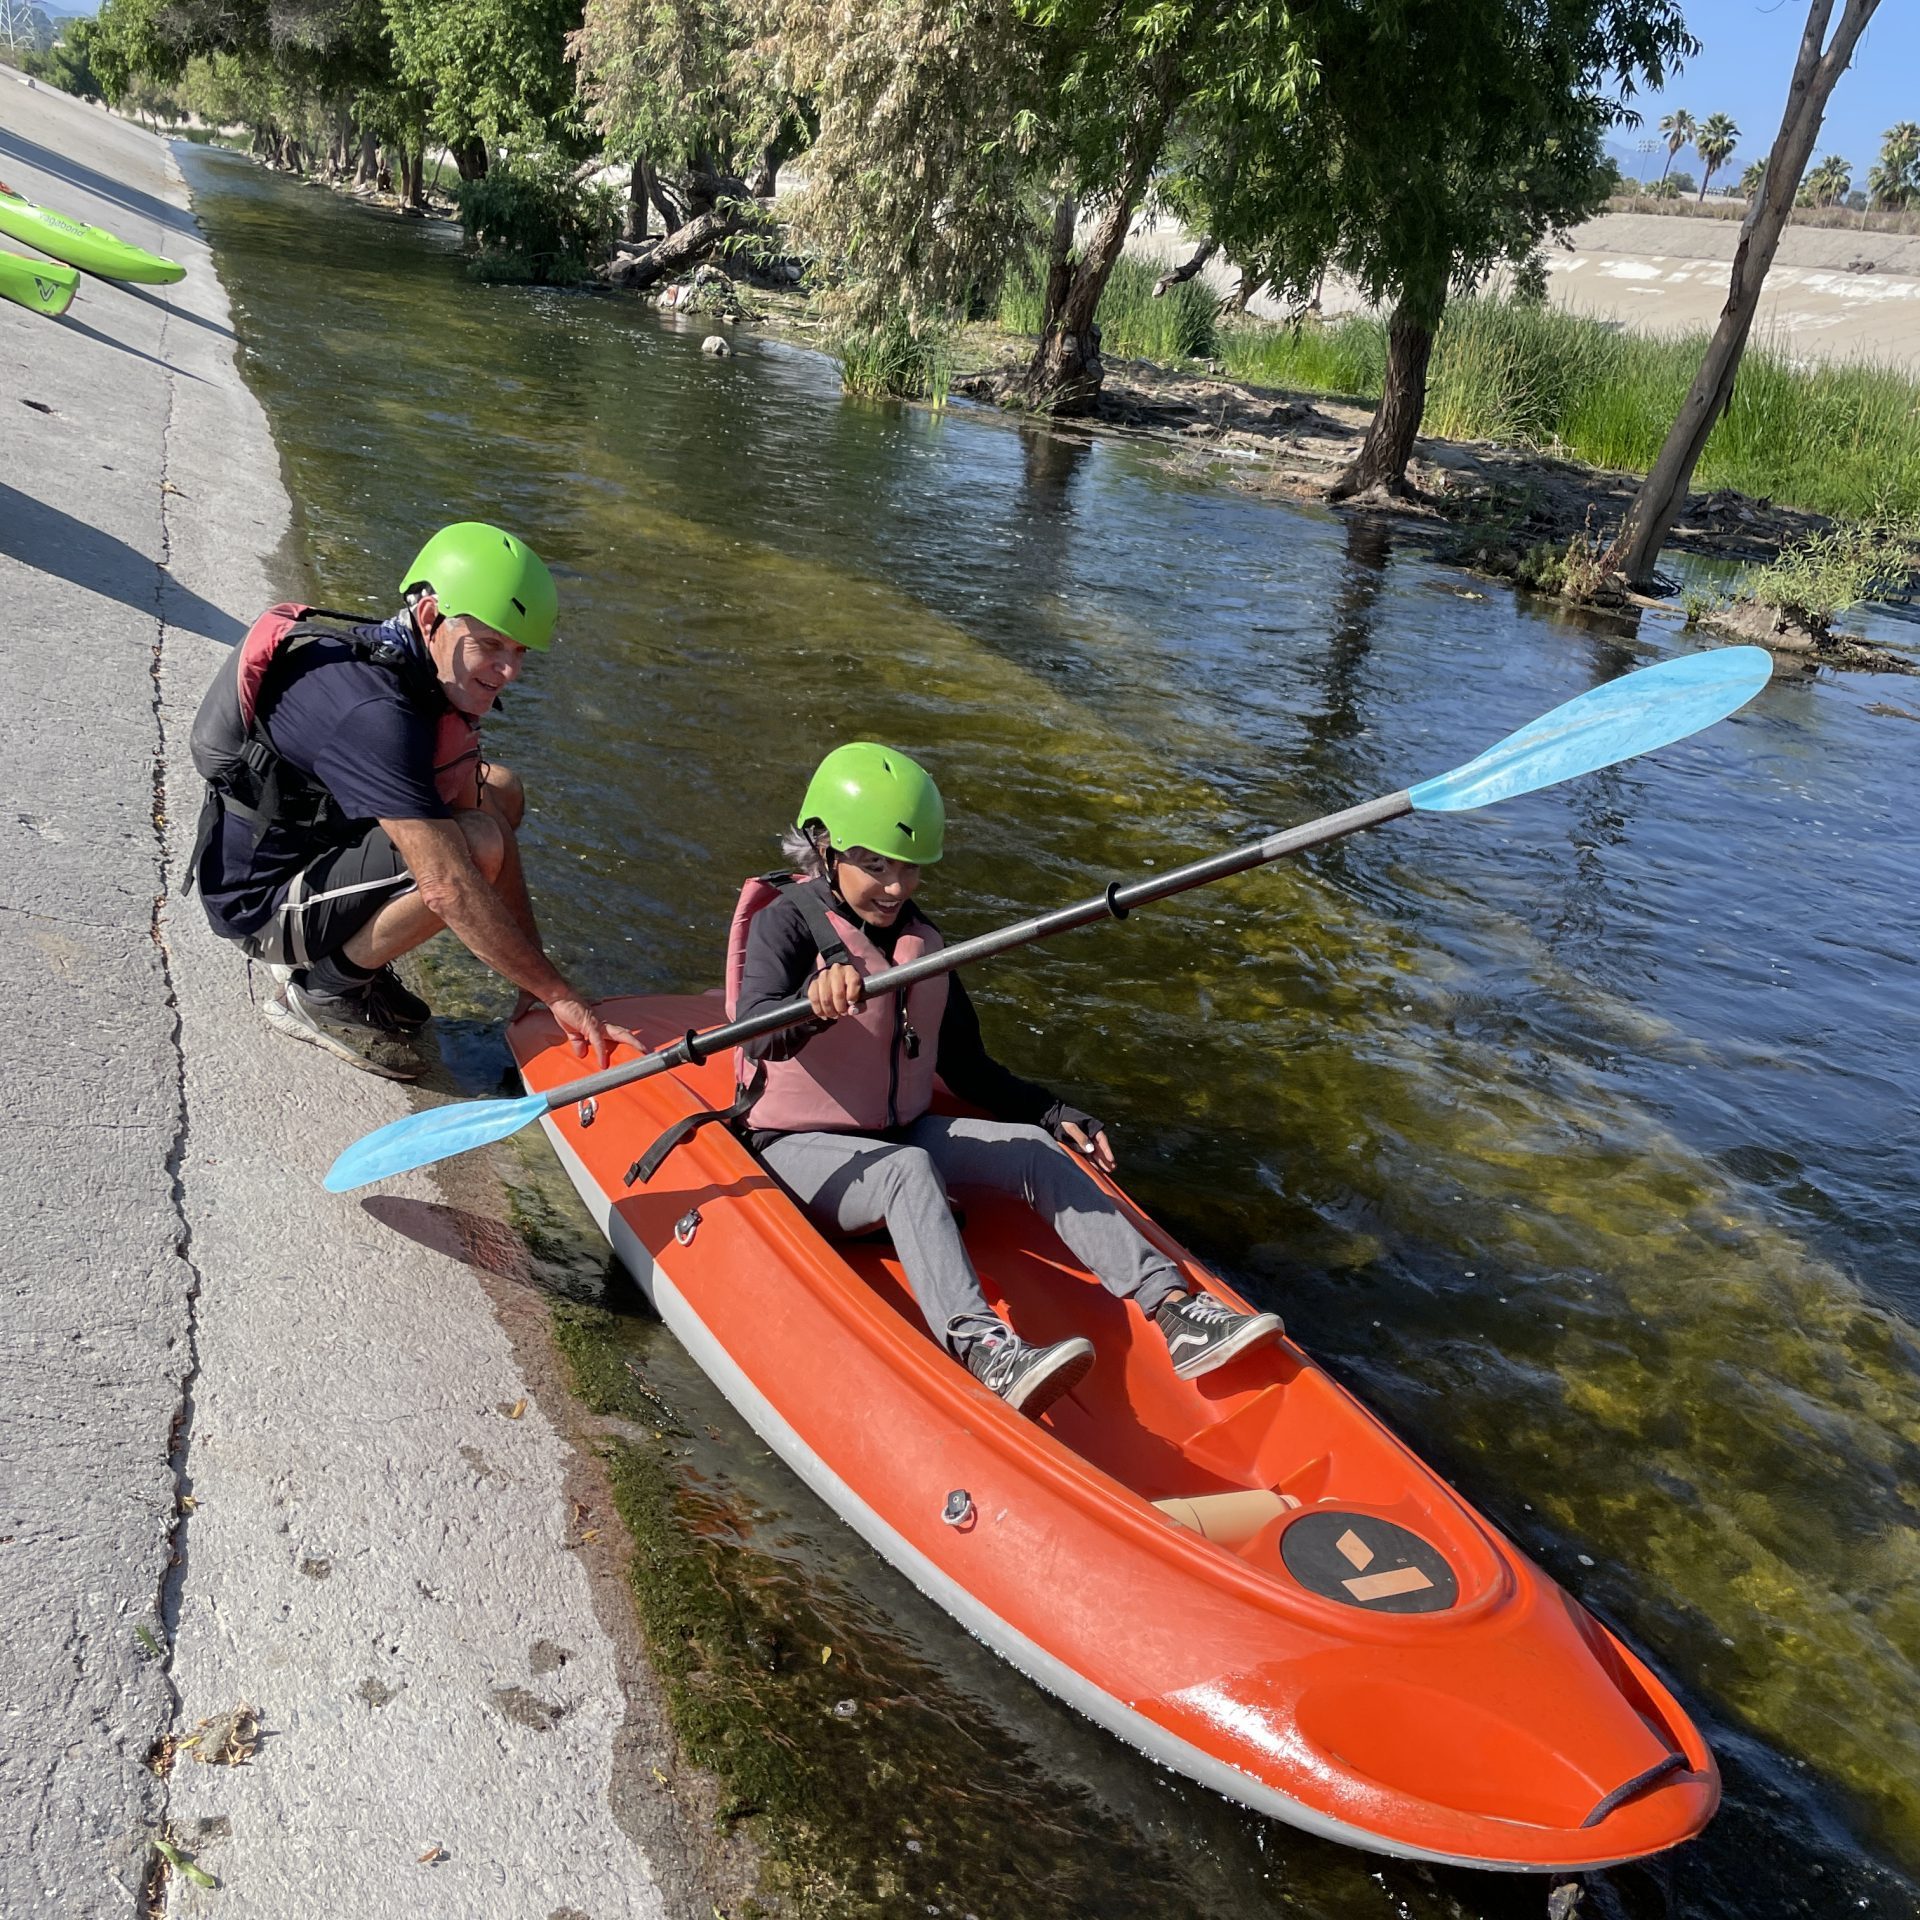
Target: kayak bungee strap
[(684, 1129)]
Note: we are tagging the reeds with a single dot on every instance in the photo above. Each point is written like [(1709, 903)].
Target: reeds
[(896, 360), (1842, 438)]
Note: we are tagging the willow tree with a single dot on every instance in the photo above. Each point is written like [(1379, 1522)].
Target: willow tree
[(1816, 68), (692, 96), (1441, 138), (289, 69), (490, 72), (953, 132)]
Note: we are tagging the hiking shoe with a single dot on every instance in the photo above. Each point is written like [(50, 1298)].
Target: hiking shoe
[(393, 1005), (345, 1027), (1028, 1378), (1203, 1333)]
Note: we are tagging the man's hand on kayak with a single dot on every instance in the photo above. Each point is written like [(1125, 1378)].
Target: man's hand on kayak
[(834, 992), (587, 1033)]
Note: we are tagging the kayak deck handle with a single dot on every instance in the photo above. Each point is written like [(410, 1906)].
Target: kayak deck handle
[(1673, 1763)]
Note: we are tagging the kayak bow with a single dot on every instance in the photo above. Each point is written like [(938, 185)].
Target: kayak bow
[(1246, 1576), (92, 249)]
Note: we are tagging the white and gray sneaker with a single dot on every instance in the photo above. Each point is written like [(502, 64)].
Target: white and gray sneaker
[(348, 1028), (1028, 1378), (1203, 1333)]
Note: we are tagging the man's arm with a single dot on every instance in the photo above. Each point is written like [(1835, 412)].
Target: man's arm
[(462, 898)]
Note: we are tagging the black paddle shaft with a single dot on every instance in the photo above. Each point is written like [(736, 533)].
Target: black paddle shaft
[(1115, 904)]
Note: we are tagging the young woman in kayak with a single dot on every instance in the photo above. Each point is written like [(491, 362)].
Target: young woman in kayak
[(840, 1110)]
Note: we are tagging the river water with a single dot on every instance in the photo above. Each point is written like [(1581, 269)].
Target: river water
[(1579, 1136)]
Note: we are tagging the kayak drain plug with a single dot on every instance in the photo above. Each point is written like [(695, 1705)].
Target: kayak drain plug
[(958, 1512)]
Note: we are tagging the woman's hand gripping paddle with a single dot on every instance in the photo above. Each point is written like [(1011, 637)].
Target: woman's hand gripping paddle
[(1629, 716)]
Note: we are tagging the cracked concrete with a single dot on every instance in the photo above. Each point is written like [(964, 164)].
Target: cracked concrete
[(257, 1447)]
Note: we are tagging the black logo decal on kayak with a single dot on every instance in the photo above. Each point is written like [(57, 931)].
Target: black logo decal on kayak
[(1363, 1561)]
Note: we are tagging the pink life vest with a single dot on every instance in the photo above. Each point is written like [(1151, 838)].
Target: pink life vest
[(870, 1070)]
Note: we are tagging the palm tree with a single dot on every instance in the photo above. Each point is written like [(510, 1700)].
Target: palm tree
[(1714, 140), (1679, 128), (1830, 181), (1895, 182), (1750, 180)]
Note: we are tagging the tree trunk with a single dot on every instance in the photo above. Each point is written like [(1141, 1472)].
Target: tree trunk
[(636, 225), (413, 170), (671, 212), (681, 248), (1188, 268), (470, 157), (1384, 453), (368, 170), (1065, 373), (1636, 548)]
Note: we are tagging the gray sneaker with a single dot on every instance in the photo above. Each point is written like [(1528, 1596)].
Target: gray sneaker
[(1029, 1379), (346, 1028), (1203, 1333)]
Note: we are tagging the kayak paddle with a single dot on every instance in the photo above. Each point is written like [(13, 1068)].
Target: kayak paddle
[(1634, 714)]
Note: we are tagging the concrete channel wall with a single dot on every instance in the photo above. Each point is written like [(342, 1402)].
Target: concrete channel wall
[(257, 1447)]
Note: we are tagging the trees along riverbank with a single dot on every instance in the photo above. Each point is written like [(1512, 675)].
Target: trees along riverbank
[(971, 160)]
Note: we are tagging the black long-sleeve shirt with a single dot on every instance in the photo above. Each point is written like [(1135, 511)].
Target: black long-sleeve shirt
[(780, 958)]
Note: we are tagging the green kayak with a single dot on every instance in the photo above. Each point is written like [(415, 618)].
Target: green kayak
[(92, 249), (35, 284)]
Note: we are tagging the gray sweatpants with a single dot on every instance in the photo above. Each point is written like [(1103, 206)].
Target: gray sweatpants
[(850, 1182)]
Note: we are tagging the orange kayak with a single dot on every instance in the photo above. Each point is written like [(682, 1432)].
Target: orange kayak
[(1245, 1576)]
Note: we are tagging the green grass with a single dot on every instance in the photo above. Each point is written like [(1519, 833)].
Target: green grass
[(1841, 439)]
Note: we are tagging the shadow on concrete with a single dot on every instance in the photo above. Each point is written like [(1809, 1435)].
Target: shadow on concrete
[(52, 542), (471, 1238), (30, 153), (139, 353), (167, 307)]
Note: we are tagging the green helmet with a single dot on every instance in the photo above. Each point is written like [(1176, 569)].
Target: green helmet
[(872, 796), (477, 570)]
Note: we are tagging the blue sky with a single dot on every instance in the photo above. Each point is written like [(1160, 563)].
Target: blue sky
[(1744, 63)]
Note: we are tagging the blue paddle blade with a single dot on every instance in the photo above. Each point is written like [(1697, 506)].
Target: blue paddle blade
[(1633, 714), (422, 1138)]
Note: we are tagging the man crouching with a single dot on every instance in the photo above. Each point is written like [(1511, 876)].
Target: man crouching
[(350, 816)]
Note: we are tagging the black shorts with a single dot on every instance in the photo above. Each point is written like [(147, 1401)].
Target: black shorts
[(330, 900)]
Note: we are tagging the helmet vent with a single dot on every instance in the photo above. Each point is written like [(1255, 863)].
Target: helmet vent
[(904, 828), (519, 605)]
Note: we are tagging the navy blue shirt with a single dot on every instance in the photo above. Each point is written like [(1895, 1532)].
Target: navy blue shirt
[(355, 727)]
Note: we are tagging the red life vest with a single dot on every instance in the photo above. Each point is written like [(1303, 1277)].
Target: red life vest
[(251, 780), (873, 1068)]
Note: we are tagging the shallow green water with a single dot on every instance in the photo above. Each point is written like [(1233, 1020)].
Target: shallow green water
[(1579, 1136)]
